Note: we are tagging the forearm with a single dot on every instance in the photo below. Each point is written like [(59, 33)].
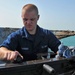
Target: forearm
[(4, 49)]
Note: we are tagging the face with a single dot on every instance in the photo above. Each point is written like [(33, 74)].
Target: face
[(30, 20)]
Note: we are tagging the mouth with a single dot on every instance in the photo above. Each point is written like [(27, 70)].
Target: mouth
[(29, 26)]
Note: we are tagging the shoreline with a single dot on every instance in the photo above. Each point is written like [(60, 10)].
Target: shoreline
[(4, 32)]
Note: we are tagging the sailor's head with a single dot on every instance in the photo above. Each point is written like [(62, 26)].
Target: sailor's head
[(30, 16)]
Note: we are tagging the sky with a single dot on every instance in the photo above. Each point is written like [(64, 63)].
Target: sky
[(54, 14)]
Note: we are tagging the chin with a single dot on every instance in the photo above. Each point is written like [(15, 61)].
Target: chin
[(29, 29)]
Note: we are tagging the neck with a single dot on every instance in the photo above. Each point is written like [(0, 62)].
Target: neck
[(33, 31)]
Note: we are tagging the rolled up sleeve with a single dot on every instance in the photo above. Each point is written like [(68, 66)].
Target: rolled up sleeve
[(11, 42)]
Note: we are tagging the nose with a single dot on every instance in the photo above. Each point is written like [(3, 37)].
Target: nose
[(28, 21)]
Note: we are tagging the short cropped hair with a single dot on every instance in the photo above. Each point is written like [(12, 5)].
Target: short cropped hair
[(30, 7)]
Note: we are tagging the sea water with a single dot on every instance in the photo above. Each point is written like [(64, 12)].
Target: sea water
[(69, 41)]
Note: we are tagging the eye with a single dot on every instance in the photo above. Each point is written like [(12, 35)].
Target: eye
[(32, 19), (25, 19)]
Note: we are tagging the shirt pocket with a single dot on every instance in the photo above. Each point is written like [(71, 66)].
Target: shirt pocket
[(26, 50), (43, 49)]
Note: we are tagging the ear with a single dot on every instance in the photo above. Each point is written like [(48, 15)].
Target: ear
[(38, 17)]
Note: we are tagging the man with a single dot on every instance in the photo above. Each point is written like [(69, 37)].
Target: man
[(30, 40)]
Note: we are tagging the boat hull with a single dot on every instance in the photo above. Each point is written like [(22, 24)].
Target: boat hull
[(35, 67)]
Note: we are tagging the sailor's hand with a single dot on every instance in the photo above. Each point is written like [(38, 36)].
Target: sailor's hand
[(11, 55)]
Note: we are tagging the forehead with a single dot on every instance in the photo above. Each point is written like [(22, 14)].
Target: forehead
[(30, 7), (28, 14)]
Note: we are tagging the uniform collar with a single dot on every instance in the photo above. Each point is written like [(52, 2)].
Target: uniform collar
[(38, 32)]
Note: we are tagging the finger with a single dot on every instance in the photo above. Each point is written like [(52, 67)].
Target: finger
[(9, 56), (20, 55), (13, 56), (1, 56), (5, 56), (17, 53)]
